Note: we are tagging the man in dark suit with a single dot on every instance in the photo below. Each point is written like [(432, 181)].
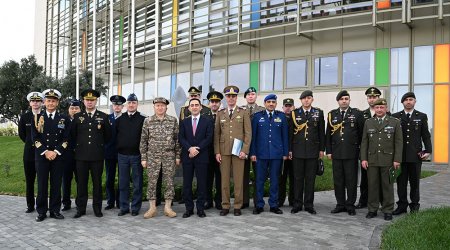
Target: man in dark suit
[(195, 136), (25, 124), (268, 149), (112, 194), (214, 176), (415, 131), (343, 138), (70, 168), (50, 134), (307, 144), (92, 130)]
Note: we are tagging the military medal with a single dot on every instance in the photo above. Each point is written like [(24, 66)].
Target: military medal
[(352, 124), (81, 119), (99, 125)]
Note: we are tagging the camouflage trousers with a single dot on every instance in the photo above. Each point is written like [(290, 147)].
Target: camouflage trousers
[(168, 172)]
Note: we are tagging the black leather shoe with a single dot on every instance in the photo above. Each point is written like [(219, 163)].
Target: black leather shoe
[(224, 212), (296, 210), (56, 215), (399, 211), (276, 210), (387, 216), (66, 208), (371, 215), (351, 212), (79, 214), (258, 210), (98, 214), (122, 213), (237, 212), (280, 204), (134, 213), (208, 205), (337, 210), (41, 217), (188, 213), (245, 205), (109, 207), (29, 210), (311, 210), (201, 214), (218, 206), (361, 205)]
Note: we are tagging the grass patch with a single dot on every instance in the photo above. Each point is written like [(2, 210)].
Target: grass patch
[(426, 229), (427, 173)]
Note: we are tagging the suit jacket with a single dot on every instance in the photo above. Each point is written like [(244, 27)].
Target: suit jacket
[(308, 138), (203, 139), (26, 122), (269, 137), (50, 134), (227, 129), (343, 136), (91, 135), (382, 144), (415, 131)]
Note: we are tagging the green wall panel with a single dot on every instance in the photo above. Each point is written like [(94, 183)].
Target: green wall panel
[(254, 75), (382, 67)]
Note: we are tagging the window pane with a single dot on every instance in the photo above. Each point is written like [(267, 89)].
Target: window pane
[(424, 97), (127, 89), (138, 90), (271, 75), (395, 103), (399, 66), (150, 90), (217, 79), (239, 75), (326, 71), (423, 64), (295, 73), (358, 68), (103, 100), (184, 81), (197, 79), (164, 87)]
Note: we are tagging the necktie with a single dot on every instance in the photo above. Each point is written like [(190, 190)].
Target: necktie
[(342, 115), (194, 126), (251, 110), (306, 113), (50, 116), (90, 115), (408, 116), (231, 113), (270, 116), (380, 120)]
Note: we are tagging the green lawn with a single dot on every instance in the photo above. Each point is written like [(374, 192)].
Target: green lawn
[(426, 229)]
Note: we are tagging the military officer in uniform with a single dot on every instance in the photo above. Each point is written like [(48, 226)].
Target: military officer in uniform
[(307, 145), (214, 177), (50, 134), (286, 172), (194, 93), (250, 96), (415, 131), (92, 130), (70, 169), (232, 123), (372, 95), (25, 124), (381, 150), (343, 138), (268, 149), (111, 162)]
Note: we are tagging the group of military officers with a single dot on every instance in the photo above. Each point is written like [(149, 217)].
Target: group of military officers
[(216, 143)]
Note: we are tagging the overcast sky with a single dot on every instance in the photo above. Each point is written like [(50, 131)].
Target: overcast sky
[(17, 29)]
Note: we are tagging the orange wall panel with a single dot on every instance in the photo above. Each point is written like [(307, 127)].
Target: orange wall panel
[(441, 123), (441, 63)]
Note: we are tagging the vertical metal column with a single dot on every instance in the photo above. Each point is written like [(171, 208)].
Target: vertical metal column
[(156, 45), (207, 58), (133, 36), (239, 22), (111, 47), (77, 53), (94, 40)]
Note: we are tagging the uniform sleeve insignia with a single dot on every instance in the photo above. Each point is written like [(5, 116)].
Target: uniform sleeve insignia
[(37, 144)]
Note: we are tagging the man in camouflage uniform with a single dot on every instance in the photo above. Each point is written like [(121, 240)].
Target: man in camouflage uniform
[(160, 150)]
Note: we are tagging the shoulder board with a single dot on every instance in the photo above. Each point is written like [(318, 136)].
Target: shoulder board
[(316, 108), (222, 109), (243, 106), (395, 118), (259, 112), (240, 108), (356, 109)]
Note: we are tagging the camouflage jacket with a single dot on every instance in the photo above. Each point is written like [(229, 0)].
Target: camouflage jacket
[(159, 138)]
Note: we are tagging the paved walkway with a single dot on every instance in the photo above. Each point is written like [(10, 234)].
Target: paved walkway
[(270, 231)]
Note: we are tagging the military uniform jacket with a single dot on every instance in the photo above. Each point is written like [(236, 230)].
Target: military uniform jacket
[(25, 124), (50, 134), (343, 136), (91, 135), (159, 139), (254, 110), (415, 131), (307, 133), (269, 137), (382, 144), (184, 113), (226, 130), (110, 147)]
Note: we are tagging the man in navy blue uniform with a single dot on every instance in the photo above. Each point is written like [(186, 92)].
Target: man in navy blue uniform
[(195, 136), (70, 169), (268, 149), (415, 131), (25, 124), (50, 134), (112, 194)]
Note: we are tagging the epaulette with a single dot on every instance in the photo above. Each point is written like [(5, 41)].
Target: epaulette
[(222, 109), (316, 108), (258, 112)]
